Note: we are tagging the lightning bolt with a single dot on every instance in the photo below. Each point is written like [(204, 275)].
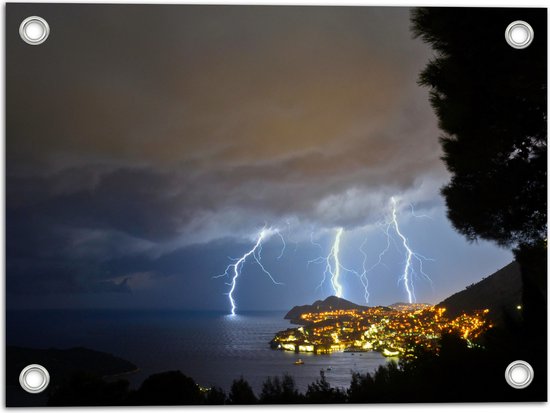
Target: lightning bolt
[(363, 276), (411, 206), (400, 241), (318, 260), (408, 272), (283, 243), (335, 252), (234, 270), (333, 265)]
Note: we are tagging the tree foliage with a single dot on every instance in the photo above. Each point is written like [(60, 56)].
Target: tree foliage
[(320, 391), (169, 388), (280, 390), (490, 100), (242, 393), (85, 389)]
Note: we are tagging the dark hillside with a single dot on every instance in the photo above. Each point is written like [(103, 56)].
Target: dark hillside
[(499, 292)]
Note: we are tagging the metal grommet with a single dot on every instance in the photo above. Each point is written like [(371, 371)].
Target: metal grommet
[(519, 34), (34, 378), (519, 374), (34, 30)]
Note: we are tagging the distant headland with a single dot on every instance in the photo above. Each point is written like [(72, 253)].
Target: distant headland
[(333, 303)]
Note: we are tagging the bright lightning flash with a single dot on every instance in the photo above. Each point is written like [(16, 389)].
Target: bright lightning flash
[(410, 255), (335, 252), (333, 266), (363, 276), (234, 270)]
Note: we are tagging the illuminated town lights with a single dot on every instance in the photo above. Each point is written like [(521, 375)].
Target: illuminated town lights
[(388, 331)]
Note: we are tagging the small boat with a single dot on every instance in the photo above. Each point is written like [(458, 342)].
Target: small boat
[(299, 361)]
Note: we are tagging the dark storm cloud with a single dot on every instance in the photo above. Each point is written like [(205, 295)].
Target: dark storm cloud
[(137, 130), (134, 201), (154, 119)]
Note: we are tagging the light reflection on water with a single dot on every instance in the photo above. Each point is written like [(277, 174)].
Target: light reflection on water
[(213, 348)]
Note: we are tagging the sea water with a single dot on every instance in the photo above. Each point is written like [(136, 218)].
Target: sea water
[(212, 348)]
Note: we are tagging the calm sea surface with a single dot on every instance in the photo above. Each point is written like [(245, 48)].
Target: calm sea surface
[(212, 348)]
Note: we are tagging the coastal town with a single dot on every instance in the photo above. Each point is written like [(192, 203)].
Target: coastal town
[(395, 331)]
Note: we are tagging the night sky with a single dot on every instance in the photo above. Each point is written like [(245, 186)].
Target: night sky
[(148, 144)]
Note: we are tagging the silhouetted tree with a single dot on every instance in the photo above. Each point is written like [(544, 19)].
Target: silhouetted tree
[(85, 389), (361, 388), (456, 374), (490, 100), (491, 103), (215, 396), (320, 391), (169, 388), (283, 391), (241, 393)]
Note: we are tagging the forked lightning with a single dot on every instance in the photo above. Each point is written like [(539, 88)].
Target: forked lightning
[(234, 270)]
